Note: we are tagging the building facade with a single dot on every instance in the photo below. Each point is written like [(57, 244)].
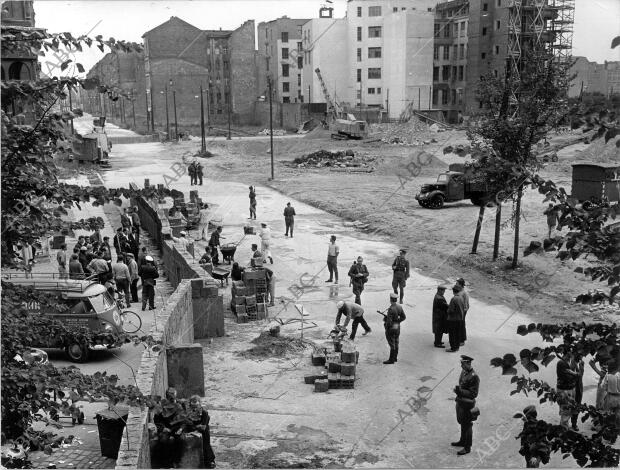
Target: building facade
[(591, 77), (280, 56)]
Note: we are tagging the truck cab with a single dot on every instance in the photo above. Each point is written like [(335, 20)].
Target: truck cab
[(453, 185)]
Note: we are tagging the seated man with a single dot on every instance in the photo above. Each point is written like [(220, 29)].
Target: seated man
[(206, 257)]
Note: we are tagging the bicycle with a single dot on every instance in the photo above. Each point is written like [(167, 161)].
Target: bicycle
[(131, 320)]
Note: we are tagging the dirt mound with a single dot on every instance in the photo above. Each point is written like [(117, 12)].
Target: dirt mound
[(601, 152), (318, 133), (270, 346), (342, 159), (412, 132)]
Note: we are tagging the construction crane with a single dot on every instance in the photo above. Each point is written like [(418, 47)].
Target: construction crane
[(332, 106)]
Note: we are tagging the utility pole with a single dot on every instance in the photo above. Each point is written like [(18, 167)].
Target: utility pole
[(387, 103), (203, 142), (176, 123), (133, 110), (309, 99), (152, 111), (229, 100), (71, 110), (167, 116), (270, 124)]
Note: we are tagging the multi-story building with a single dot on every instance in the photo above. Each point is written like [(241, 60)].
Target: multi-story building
[(591, 77), (450, 58), (380, 56), (280, 57), (179, 58)]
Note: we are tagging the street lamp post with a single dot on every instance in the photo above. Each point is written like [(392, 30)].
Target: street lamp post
[(167, 115), (133, 107), (203, 142), (270, 124), (176, 123)]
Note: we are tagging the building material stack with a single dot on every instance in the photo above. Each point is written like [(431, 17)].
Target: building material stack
[(340, 359), (249, 296)]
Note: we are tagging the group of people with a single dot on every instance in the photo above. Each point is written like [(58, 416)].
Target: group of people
[(450, 317), (195, 171)]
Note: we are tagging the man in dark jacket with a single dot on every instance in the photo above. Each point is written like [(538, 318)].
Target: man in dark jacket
[(465, 296), (359, 276), (354, 312), (214, 243), (391, 322), (148, 273), (440, 316), (534, 443), (400, 266), (466, 393), (456, 310), (135, 220), (125, 219), (289, 218)]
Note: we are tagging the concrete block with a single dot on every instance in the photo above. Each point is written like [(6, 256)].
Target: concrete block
[(333, 367), (261, 315), (337, 346), (250, 300), (318, 359), (240, 309), (238, 300), (191, 453), (321, 385), (186, 369), (238, 284), (347, 356), (212, 291), (333, 380), (197, 286), (347, 369), (242, 318)]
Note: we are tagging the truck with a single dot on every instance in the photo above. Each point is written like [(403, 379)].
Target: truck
[(594, 183), (458, 183)]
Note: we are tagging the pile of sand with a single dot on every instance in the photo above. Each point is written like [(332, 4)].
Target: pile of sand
[(601, 152), (271, 346), (412, 132)]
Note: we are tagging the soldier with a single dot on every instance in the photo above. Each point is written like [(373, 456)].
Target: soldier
[(359, 277), (391, 321), (466, 393), (199, 174), (465, 296), (400, 266), (440, 316), (191, 169), (455, 319)]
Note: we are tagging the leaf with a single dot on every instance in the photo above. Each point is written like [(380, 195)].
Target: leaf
[(509, 370), (522, 330), (531, 367), (518, 415), (547, 359), (80, 68), (65, 64)]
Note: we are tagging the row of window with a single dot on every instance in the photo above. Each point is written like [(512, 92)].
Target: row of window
[(459, 52), (485, 6), (444, 97), (498, 26), (458, 73), (464, 10), (373, 73), (458, 29), (373, 32), (373, 53), (376, 11), (286, 86)]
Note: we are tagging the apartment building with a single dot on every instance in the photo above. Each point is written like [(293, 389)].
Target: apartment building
[(280, 56), (450, 58), (591, 77)]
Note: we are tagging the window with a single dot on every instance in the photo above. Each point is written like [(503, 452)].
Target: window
[(371, 91), (455, 29), (284, 36), (495, 73), (429, 9), (300, 46), (499, 3), (359, 54), (374, 31), (446, 52), (444, 97), (300, 62), (445, 73), (446, 31), (484, 31), (298, 79), (374, 52), (285, 52), (374, 11), (374, 72), (498, 25), (455, 51), (453, 96), (286, 99), (359, 12), (496, 50), (359, 33), (395, 9), (461, 72), (359, 75), (437, 30), (462, 51), (435, 74), (285, 68), (483, 55), (436, 53), (379, 91), (286, 87), (463, 28), (454, 72), (435, 92), (485, 7)]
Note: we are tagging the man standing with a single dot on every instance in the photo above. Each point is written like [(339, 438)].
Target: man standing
[(332, 259), (198, 173), (61, 257), (120, 241), (455, 319), (270, 277), (289, 218), (578, 366), (191, 169), (76, 271), (203, 222), (135, 220), (352, 311), (108, 253), (84, 260), (552, 218), (133, 277), (440, 316), (121, 275), (99, 267), (359, 276), (265, 242), (391, 322), (141, 257), (465, 296), (400, 266), (252, 197), (214, 243), (567, 381), (149, 273), (466, 393), (125, 219), (80, 242), (534, 446)]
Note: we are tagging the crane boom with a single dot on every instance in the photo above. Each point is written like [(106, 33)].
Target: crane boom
[(333, 107)]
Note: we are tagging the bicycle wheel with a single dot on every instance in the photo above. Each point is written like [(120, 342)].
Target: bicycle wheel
[(131, 321)]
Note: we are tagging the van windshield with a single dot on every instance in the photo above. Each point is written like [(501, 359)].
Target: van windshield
[(442, 178), (101, 302)]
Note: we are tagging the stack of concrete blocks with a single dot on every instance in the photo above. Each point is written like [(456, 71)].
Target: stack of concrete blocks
[(208, 307), (340, 359), (248, 296)]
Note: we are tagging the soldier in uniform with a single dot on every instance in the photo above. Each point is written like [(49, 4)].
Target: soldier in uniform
[(359, 276), (391, 321), (466, 393), (400, 266)]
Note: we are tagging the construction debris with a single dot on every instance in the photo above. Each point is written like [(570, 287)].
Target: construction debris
[(307, 126), (339, 357), (278, 132), (269, 346), (342, 159), (412, 132)]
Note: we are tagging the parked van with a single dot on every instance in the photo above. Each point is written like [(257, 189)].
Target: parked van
[(89, 306)]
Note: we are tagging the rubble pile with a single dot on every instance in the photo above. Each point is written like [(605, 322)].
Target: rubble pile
[(341, 159), (412, 132), (278, 132)]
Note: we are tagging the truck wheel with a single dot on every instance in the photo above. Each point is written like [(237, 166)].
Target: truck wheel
[(77, 352), (422, 203), (436, 202)]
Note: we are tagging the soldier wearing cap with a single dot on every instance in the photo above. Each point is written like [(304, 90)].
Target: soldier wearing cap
[(359, 276), (466, 393), (440, 316), (400, 266), (392, 320), (465, 296)]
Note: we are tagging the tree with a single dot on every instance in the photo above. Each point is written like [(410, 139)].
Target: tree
[(518, 111)]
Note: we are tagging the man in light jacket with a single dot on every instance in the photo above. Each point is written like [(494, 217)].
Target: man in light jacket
[(355, 312)]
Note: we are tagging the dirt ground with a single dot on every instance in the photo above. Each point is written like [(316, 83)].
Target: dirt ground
[(439, 241)]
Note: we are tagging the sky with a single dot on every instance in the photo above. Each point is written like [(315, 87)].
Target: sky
[(596, 21)]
